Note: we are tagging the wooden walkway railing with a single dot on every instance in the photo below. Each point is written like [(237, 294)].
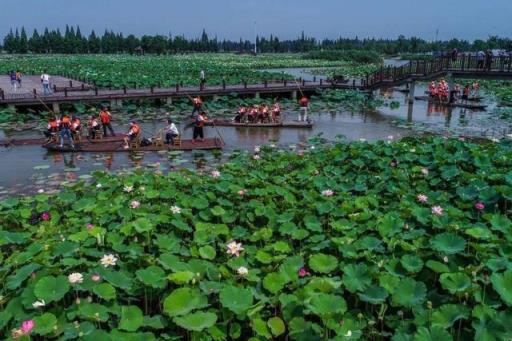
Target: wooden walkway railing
[(469, 65)]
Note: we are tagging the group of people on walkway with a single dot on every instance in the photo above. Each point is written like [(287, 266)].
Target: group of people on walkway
[(443, 92)]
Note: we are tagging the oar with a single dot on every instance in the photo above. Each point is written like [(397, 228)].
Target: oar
[(218, 133), (299, 88)]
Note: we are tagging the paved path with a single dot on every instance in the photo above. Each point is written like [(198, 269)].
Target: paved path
[(29, 83)]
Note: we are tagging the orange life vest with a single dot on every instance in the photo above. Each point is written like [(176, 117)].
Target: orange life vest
[(135, 129), (304, 101), (53, 125), (105, 117), (65, 122), (76, 124), (198, 102)]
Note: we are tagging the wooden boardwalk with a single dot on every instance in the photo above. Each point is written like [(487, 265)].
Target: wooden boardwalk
[(69, 91)]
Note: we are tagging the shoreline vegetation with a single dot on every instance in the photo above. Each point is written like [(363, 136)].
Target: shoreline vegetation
[(393, 239)]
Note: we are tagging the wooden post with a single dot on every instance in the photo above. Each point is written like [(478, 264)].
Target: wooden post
[(509, 62), (65, 92), (70, 83), (285, 82), (177, 87), (96, 91), (245, 84), (54, 88), (223, 84), (35, 93), (152, 88), (314, 79), (463, 62), (303, 82), (83, 86), (2, 93), (321, 81), (265, 83), (124, 89)]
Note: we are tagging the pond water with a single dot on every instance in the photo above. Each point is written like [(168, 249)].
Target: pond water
[(27, 169)]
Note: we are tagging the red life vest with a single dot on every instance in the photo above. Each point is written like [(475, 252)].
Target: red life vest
[(53, 125), (76, 124), (105, 117), (135, 129), (304, 101), (65, 122)]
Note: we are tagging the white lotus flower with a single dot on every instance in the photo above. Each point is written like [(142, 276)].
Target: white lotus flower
[(390, 137), (437, 210), (39, 304), (175, 210), (40, 191), (215, 174), (327, 192), (75, 278), (256, 157), (134, 204), (234, 248), (128, 189), (257, 149), (99, 186), (349, 333), (422, 198), (424, 171), (445, 259), (108, 260), (242, 271), (362, 140)]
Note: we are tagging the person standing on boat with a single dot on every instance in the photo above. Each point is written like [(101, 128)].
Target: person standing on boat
[(65, 131), (76, 127), (200, 120), (465, 94), (132, 134), (304, 105), (45, 80), (106, 117), (171, 132), (202, 78), (198, 106), (476, 86)]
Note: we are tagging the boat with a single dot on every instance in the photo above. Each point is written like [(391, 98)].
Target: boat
[(289, 124), (207, 144), (40, 141), (455, 104), (471, 98)]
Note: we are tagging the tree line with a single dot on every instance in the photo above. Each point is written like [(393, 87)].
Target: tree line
[(74, 42)]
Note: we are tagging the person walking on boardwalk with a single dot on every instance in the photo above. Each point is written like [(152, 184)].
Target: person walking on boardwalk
[(45, 80), (304, 105), (105, 118), (198, 106), (202, 78), (18, 78), (14, 82), (65, 131), (480, 58), (200, 120), (488, 60)]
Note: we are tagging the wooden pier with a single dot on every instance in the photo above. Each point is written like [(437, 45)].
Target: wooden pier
[(70, 91)]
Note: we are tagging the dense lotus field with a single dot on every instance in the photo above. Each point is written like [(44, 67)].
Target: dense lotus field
[(405, 240), (145, 71)]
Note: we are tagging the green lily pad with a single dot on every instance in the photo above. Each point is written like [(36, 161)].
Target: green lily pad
[(455, 282), (197, 321), (51, 288), (131, 318), (152, 276), (236, 299), (323, 263), (184, 300), (373, 294), (448, 243), (502, 283), (409, 293)]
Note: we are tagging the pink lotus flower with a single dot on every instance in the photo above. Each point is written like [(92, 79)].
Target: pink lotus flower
[(234, 248), (242, 192), (422, 198), (215, 174), (424, 171), (90, 227), (327, 192), (134, 204), (479, 206), (95, 278), (437, 210), (46, 216), (303, 272), (462, 138), (27, 326), (300, 153)]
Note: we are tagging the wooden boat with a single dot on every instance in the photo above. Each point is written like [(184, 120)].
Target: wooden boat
[(289, 124), (41, 141), (207, 144), (455, 104)]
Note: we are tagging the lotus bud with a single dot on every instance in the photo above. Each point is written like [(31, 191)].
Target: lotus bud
[(400, 313), (473, 273), (360, 316), (80, 334), (429, 305), (77, 300), (193, 281), (466, 295), (371, 322), (76, 324), (89, 299)]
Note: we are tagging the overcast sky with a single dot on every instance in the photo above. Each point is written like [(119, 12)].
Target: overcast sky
[(232, 19)]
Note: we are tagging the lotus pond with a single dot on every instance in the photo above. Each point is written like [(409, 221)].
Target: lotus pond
[(405, 240)]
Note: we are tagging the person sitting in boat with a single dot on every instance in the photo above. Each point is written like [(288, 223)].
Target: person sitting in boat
[(432, 89), (132, 134), (171, 132), (52, 128), (93, 126), (240, 115), (263, 113), (198, 106), (76, 126), (65, 130), (476, 86), (442, 90), (252, 114), (304, 104), (276, 112)]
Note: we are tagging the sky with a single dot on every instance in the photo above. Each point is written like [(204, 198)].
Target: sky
[(234, 19)]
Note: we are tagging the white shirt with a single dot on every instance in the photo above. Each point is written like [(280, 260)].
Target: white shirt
[(202, 74), (171, 128), (45, 78)]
